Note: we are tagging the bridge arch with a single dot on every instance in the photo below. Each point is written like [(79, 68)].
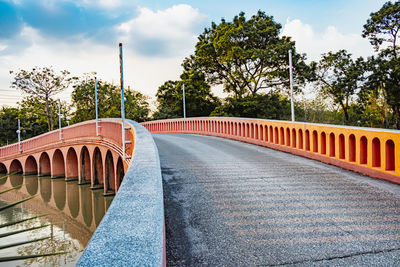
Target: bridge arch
[(58, 164), (72, 164), (110, 172), (86, 173), (44, 164), (119, 172), (30, 166), (3, 168), (16, 166), (97, 168)]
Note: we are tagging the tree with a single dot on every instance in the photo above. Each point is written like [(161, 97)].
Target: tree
[(384, 26), (199, 99), (385, 74), (339, 77), (247, 56), (109, 101), (34, 118), (271, 106), (8, 125), (42, 83)]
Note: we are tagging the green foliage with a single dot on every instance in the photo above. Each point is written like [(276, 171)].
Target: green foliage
[(384, 25), (247, 56), (8, 125), (339, 77), (109, 102), (42, 84), (385, 74), (269, 106), (199, 100)]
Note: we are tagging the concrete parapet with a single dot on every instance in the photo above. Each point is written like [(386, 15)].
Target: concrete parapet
[(374, 152), (132, 231)]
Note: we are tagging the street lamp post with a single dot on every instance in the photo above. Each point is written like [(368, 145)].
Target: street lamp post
[(122, 100), (184, 102), (59, 118), (19, 136), (97, 115), (291, 84)]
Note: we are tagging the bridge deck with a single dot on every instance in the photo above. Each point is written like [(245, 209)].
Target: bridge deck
[(231, 203)]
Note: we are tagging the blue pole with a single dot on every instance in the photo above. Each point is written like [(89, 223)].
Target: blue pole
[(122, 100)]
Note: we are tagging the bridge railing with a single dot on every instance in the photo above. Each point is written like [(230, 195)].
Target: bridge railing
[(375, 152), (110, 130)]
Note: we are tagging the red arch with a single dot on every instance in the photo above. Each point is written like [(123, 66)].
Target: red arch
[(44, 164), (30, 166), (363, 150), (110, 172), (352, 148), (3, 168), (72, 164), (120, 172), (390, 155), (376, 152), (58, 164), (86, 173), (97, 168), (16, 166), (323, 143)]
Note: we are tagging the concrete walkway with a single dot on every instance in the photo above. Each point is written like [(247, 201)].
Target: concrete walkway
[(229, 203)]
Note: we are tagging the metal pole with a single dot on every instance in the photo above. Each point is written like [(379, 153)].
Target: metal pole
[(59, 118), (184, 102), (122, 100), (291, 84), (97, 115), (19, 136)]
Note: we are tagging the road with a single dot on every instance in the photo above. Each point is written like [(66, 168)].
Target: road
[(229, 203)]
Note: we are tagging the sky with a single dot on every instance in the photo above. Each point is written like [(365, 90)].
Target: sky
[(82, 36)]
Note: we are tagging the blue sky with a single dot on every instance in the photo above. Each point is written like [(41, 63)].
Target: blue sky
[(82, 36)]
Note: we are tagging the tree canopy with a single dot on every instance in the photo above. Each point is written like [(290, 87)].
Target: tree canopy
[(109, 101), (384, 26), (199, 99), (339, 77), (42, 84), (246, 56)]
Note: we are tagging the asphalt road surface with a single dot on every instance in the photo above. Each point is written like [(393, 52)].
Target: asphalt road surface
[(229, 203)]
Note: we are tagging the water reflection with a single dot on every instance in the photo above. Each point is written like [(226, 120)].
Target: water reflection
[(76, 206), (59, 193), (16, 180), (73, 199), (32, 185), (86, 203), (45, 188)]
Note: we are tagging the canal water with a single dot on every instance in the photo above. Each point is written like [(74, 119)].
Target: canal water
[(71, 213)]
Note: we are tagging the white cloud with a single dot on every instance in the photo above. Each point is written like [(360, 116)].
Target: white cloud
[(171, 31), (315, 43)]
